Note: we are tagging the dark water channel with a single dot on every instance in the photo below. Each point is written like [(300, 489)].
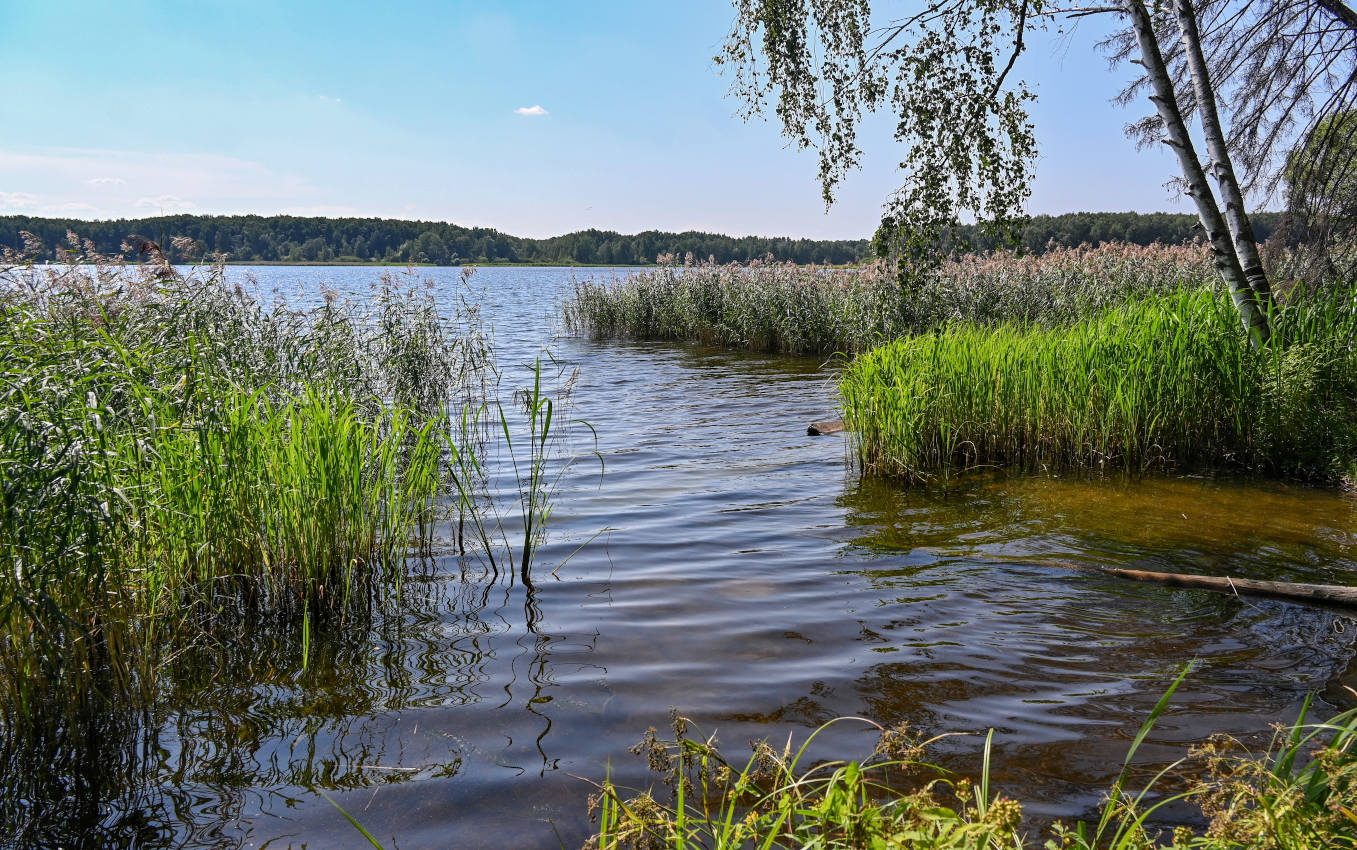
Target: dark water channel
[(749, 580)]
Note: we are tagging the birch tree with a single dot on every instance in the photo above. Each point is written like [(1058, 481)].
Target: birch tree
[(1288, 71), (946, 73), (1225, 250)]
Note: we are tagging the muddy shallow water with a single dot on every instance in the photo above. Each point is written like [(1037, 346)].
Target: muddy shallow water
[(737, 570)]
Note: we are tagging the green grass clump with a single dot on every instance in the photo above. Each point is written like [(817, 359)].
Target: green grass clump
[(1300, 794), (1159, 380)]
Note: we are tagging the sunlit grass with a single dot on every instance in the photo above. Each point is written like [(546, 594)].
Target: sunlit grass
[(171, 451), (1301, 793), (1156, 381)]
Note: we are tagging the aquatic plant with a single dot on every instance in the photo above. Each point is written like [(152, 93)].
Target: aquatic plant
[(781, 307), (527, 478), (1161, 380), (779, 799), (171, 451)]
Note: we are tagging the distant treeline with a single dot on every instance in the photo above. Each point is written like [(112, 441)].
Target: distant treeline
[(253, 238), (1072, 229)]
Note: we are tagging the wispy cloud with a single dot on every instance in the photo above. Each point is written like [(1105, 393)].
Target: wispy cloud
[(74, 209), (328, 99), (165, 202), (531, 110), (106, 181)]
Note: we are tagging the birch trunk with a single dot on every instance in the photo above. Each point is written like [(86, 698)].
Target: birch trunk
[(1241, 229), (1222, 246)]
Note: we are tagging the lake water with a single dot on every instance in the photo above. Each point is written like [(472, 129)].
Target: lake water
[(738, 571)]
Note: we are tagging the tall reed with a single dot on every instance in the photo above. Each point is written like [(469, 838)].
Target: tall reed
[(779, 307), (170, 450), (1159, 380)]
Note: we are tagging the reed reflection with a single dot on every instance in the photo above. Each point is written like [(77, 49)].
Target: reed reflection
[(258, 719)]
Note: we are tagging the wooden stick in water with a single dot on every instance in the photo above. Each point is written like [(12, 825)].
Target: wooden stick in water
[(1333, 594)]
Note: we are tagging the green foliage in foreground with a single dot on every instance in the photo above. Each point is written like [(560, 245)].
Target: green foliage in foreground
[(1160, 380), (174, 455), (1300, 794)]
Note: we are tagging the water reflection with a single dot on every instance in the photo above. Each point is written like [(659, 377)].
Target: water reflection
[(1254, 529), (253, 732), (82, 784), (749, 581), (983, 627)]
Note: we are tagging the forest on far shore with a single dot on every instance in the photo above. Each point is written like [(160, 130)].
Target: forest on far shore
[(292, 239)]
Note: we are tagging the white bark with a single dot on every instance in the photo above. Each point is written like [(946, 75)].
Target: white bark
[(1178, 138), (1241, 230)]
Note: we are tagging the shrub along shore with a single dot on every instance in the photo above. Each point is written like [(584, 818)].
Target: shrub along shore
[(1115, 357), (1159, 381)]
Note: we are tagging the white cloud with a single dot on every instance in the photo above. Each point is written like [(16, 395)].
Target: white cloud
[(106, 181), (531, 110), (325, 99), (168, 203)]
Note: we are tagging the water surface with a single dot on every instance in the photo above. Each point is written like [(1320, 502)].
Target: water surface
[(736, 570)]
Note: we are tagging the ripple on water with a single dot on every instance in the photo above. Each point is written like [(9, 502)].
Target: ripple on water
[(749, 581)]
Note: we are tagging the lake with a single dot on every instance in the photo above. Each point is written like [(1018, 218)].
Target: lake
[(712, 559)]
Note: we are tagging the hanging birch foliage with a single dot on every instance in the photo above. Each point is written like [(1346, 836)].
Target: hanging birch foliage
[(945, 74)]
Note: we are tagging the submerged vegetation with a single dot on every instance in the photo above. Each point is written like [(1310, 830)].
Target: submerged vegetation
[(1301, 793)]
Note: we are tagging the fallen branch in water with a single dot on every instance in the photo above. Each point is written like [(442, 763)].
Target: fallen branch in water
[(1334, 594), (1331, 594)]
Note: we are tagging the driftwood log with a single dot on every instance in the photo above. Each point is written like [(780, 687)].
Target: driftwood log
[(1341, 689), (826, 427), (1332, 594), (1327, 594)]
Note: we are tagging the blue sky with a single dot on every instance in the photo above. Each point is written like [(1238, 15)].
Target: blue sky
[(409, 109)]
